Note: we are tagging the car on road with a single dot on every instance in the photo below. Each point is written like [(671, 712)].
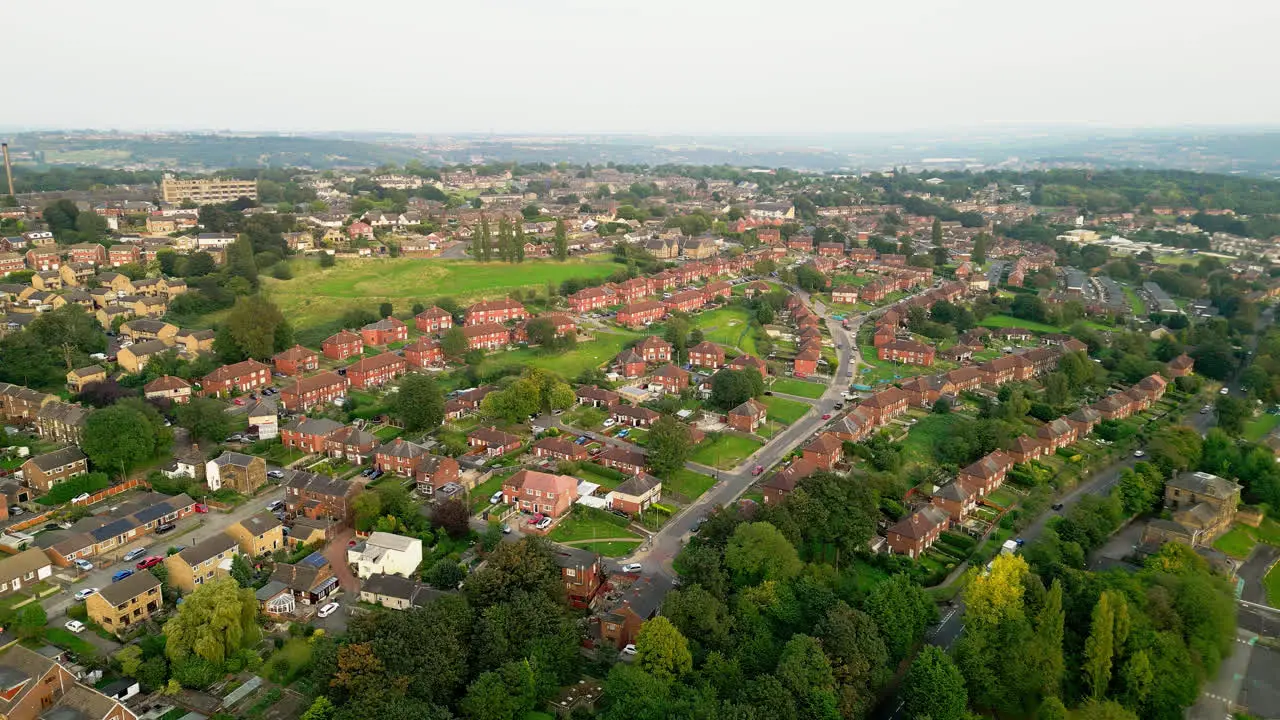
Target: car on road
[(839, 405), (757, 470), (121, 575), (83, 564), (149, 562), (84, 593), (506, 529), (134, 554), (826, 416), (328, 610), (238, 401), (495, 498), (1139, 453), (1224, 391), (275, 505), (74, 626), (630, 649), (1205, 410), (632, 568), (277, 474), (768, 392), (82, 497), (16, 510), (1057, 506)]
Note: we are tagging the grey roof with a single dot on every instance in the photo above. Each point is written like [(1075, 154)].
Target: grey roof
[(261, 523), (1203, 483), (234, 458), (313, 426), (118, 593), (58, 458), (270, 590), (638, 485), (320, 484), (210, 547)]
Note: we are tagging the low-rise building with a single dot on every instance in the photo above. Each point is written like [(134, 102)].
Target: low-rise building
[(125, 603), (915, 533), (308, 392), (203, 562), (539, 492), (243, 377), (297, 360), (386, 553), (42, 472), (237, 471), (168, 387), (342, 345), (635, 494)]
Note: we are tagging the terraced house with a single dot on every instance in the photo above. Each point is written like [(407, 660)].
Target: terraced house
[(433, 320), (384, 332), (424, 353), (309, 392), (316, 497), (496, 311), (486, 336), (42, 472), (375, 371), (242, 377)]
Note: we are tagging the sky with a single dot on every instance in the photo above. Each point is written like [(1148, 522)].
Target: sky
[(653, 66)]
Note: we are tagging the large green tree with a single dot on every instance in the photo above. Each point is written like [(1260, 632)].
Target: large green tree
[(662, 651), (418, 403), (205, 418), (122, 436), (213, 622), (758, 551), (933, 687), (668, 446), (258, 328)]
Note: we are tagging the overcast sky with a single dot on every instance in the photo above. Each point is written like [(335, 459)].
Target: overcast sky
[(660, 66)]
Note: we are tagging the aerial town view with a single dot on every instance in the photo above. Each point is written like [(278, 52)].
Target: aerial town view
[(901, 394)]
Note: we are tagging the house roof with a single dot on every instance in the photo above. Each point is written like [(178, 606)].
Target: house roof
[(954, 491), (750, 408), (1203, 483), (210, 547), (121, 592), (234, 459), (546, 482), (623, 455), (87, 371), (313, 426), (25, 562), (638, 485), (493, 436), (315, 382), (260, 523), (920, 523), (343, 337), (319, 484), (58, 458), (166, 383), (295, 353), (826, 443), (400, 448)]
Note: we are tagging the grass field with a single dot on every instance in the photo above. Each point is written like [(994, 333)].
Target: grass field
[(1135, 302), (925, 436), (568, 364), (1271, 583), (728, 326), (996, 321), (317, 297), (586, 471), (64, 638), (612, 548), (688, 483), (589, 524), (1236, 542), (1259, 427), (800, 388), (481, 493), (724, 452), (784, 410)]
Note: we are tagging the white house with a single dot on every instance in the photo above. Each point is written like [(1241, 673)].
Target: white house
[(386, 553), (263, 417)]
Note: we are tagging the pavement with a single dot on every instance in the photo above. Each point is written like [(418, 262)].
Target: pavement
[(1254, 569)]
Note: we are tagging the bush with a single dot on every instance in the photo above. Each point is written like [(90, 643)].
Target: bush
[(78, 612), (72, 487), (196, 673)]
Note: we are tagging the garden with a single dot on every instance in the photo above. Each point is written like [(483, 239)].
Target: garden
[(799, 388), (724, 451), (591, 524), (783, 410)]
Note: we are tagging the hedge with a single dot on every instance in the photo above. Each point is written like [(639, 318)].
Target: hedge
[(64, 491)]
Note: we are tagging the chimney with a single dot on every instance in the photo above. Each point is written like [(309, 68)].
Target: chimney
[(8, 170)]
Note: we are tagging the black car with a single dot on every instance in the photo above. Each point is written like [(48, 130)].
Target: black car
[(1057, 506)]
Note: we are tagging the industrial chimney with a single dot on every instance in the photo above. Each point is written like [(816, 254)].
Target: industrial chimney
[(8, 170)]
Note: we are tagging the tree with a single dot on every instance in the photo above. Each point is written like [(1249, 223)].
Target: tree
[(758, 551), (934, 687), (124, 435), (1099, 647), (677, 334), (541, 331), (241, 572), (418, 403), (1138, 679), (731, 388), (700, 616), (980, 243), (29, 621), (327, 260), (241, 262), (454, 342), (1232, 414), (205, 418), (936, 231), (668, 446), (1049, 629), (258, 328), (662, 651), (806, 673), (561, 241), (996, 595), (452, 516), (445, 574), (902, 610), (859, 658), (213, 622), (321, 709), (385, 309)]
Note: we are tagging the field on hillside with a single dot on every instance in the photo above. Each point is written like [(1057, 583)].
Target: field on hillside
[(317, 297)]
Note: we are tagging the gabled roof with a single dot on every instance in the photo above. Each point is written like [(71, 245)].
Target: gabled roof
[(638, 485), (826, 443), (920, 523), (58, 458), (750, 408), (1203, 483)]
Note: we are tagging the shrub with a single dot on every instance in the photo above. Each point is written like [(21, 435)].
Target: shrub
[(72, 487)]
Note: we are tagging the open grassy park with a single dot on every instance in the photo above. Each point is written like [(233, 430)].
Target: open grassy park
[(799, 388), (1003, 321), (783, 410), (317, 297), (724, 451)]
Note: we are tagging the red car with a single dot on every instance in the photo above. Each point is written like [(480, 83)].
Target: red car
[(202, 508), (238, 401), (757, 470), (149, 562), (535, 519), (826, 416)]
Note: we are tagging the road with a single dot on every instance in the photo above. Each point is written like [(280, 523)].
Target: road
[(190, 530)]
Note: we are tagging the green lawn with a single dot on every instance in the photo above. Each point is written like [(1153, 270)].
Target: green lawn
[(688, 483), (725, 452), (1003, 498), (568, 364), (1272, 585), (801, 388), (925, 436), (997, 321), (1237, 542), (729, 326), (584, 417), (612, 548), (589, 524), (587, 471), (66, 639), (316, 297), (784, 410), (1260, 427), (1135, 302), (481, 493)]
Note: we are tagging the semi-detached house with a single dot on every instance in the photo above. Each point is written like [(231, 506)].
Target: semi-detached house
[(312, 391), (375, 371), (244, 377)]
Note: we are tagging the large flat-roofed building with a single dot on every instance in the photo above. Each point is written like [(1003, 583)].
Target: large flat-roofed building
[(207, 190)]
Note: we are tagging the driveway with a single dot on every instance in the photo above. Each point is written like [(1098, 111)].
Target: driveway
[(336, 553)]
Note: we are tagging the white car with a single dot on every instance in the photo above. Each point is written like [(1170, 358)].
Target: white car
[(80, 498), (328, 610), (83, 564), (75, 626), (610, 422), (544, 523), (632, 568), (495, 498), (1224, 391), (1139, 453), (85, 593), (134, 554), (629, 650)]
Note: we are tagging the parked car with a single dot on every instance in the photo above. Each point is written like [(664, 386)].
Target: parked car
[(1204, 410), (328, 610), (83, 564), (238, 401), (1057, 506), (74, 626), (1139, 453), (546, 523), (134, 554), (82, 497), (1225, 391), (16, 510), (757, 470), (202, 508), (164, 528), (277, 474), (632, 568), (84, 593), (826, 416), (121, 575), (630, 649), (506, 529), (582, 440), (495, 498), (610, 422), (275, 505), (149, 562), (536, 519)]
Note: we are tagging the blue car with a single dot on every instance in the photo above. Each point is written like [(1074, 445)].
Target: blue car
[(121, 575)]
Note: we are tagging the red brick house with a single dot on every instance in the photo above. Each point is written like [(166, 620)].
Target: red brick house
[(717, 289), (375, 371), (988, 473), (494, 441), (630, 363), (685, 301), (489, 336), (862, 255), (956, 499), (433, 320), (744, 362), (1153, 386), (642, 313), (654, 349), (311, 391), (636, 289), (423, 353), (351, 444), (342, 345), (706, 354), (669, 379), (398, 456), (856, 425), (91, 253), (784, 482), (1025, 448), (245, 376), (633, 415), (886, 404), (1181, 366), (1114, 407), (316, 496), (384, 332), (308, 434), (805, 363), (831, 249), (824, 451), (748, 417), (588, 299), (296, 361), (580, 572), (909, 352), (558, 448), (635, 494), (622, 459), (769, 236), (496, 311), (123, 254), (1057, 433), (1084, 419), (563, 324), (844, 295), (539, 492), (596, 397), (914, 534), (43, 259), (360, 230), (434, 472)]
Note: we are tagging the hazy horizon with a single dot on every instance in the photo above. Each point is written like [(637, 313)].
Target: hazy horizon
[(665, 68)]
